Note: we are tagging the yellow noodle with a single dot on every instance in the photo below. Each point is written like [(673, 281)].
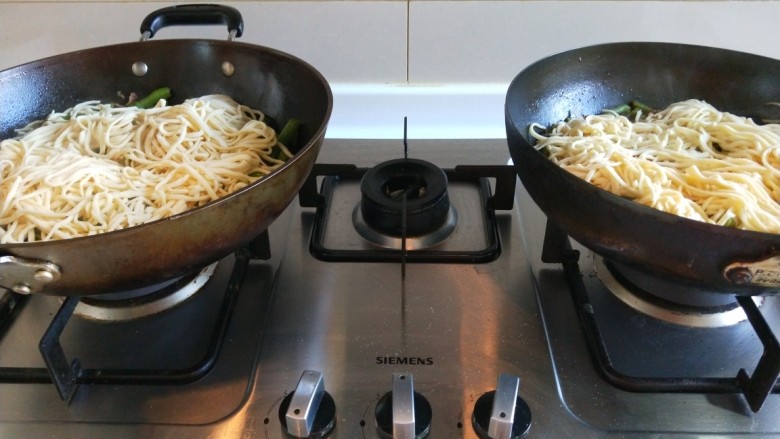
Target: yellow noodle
[(689, 159), (96, 168)]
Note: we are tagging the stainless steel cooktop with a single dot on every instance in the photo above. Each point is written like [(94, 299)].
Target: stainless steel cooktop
[(358, 329)]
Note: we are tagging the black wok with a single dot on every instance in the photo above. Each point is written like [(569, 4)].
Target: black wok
[(279, 84), (590, 79)]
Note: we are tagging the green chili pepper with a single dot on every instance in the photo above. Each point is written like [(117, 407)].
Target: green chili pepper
[(620, 109), (646, 109), (289, 134), (631, 109), (287, 137), (152, 98)]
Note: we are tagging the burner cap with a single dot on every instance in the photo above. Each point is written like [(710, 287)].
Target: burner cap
[(425, 187)]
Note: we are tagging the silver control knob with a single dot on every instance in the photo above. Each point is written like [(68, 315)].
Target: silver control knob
[(403, 413), (502, 414), (403, 406), (309, 411)]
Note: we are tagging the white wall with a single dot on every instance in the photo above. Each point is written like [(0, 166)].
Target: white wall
[(444, 64)]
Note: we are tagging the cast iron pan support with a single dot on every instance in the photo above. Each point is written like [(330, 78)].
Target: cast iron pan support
[(557, 249), (64, 375), (67, 376), (328, 175), (758, 387)]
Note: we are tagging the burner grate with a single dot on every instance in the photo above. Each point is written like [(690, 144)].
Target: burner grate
[(764, 381), (67, 376), (353, 248)]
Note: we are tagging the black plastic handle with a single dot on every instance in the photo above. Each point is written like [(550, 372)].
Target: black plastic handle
[(193, 14)]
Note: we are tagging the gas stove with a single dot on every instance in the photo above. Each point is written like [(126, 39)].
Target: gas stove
[(322, 327)]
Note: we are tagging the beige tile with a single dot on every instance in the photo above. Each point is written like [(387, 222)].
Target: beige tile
[(348, 41), (491, 41)]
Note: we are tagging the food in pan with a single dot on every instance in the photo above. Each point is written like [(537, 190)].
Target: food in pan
[(688, 159), (97, 167)]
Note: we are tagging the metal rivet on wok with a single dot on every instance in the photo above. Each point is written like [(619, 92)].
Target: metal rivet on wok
[(739, 275), (228, 69), (140, 68), (44, 276), (22, 289)]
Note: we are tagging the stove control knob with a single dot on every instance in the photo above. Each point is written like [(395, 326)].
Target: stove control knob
[(502, 414), (403, 413), (309, 411)]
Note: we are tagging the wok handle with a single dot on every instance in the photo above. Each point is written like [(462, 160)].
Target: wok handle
[(193, 14)]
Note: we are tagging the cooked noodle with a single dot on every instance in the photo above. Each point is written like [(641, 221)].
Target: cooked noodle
[(689, 159), (96, 168)]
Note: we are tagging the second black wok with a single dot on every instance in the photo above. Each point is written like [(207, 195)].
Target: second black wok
[(588, 80)]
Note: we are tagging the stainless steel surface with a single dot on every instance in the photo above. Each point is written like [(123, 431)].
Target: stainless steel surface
[(455, 327)]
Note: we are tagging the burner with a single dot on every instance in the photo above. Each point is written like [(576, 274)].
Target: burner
[(665, 300), (404, 198), (142, 302), (461, 203)]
